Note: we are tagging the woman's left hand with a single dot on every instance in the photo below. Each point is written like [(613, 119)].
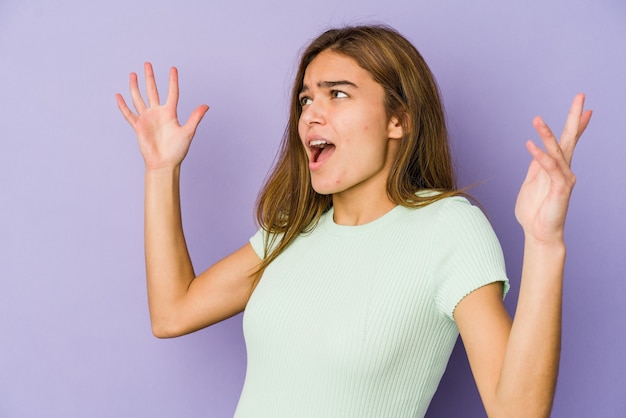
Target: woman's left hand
[(543, 199)]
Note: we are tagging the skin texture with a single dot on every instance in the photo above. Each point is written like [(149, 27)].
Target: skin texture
[(350, 115), (514, 362)]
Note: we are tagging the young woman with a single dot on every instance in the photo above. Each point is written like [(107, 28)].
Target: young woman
[(368, 261)]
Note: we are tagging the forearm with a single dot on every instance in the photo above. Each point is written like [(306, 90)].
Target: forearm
[(530, 367), (169, 270)]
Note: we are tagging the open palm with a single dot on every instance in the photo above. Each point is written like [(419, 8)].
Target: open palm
[(162, 140)]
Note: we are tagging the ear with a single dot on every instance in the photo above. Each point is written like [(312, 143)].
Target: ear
[(395, 130)]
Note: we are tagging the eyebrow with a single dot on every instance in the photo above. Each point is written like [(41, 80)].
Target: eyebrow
[(330, 84)]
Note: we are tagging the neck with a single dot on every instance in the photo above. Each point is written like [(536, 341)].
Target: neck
[(354, 210)]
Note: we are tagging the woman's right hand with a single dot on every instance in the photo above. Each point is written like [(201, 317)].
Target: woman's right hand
[(162, 140)]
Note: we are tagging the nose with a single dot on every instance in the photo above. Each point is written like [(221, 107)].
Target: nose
[(313, 113)]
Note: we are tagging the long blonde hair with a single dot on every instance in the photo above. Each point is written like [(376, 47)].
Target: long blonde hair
[(288, 206)]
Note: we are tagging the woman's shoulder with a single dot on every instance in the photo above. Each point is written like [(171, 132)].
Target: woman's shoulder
[(438, 202), (447, 214)]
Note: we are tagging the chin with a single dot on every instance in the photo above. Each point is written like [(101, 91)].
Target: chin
[(324, 189)]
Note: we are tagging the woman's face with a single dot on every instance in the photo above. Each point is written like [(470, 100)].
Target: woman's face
[(344, 127)]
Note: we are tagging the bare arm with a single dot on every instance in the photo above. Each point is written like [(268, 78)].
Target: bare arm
[(179, 301), (515, 364)]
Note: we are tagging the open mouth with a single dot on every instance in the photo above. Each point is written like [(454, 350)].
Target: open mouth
[(320, 149)]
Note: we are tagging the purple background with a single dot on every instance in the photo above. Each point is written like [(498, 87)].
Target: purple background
[(75, 339)]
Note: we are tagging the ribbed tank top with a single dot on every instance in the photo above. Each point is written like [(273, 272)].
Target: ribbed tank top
[(357, 321)]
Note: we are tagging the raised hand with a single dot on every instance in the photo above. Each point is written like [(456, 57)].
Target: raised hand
[(162, 140), (544, 197)]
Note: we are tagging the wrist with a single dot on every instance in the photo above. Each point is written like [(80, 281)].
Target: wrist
[(162, 179), (554, 249), (554, 238), (162, 171)]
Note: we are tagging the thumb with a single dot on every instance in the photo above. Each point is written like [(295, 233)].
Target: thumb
[(195, 118)]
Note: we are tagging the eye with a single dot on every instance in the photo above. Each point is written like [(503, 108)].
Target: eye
[(338, 94), (304, 100)]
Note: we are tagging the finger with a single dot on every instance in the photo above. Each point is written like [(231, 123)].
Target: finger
[(562, 179), (126, 112), (585, 117), (571, 132), (584, 122), (172, 94), (151, 87), (135, 94), (549, 140), (195, 118)]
